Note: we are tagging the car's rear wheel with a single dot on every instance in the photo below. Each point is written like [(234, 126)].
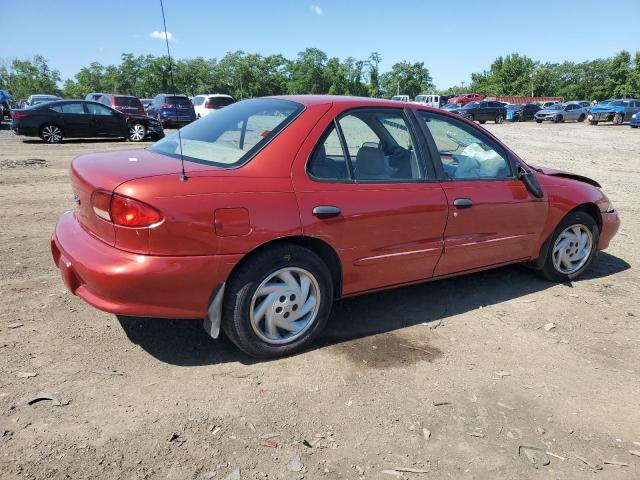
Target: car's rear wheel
[(538, 121), (51, 133), (278, 301), (572, 247), (499, 118), (581, 118), (137, 132), (558, 119), (618, 119)]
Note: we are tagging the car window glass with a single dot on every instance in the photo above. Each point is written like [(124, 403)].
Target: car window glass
[(72, 108), (198, 101), (328, 161), (380, 146), (97, 109), (466, 154)]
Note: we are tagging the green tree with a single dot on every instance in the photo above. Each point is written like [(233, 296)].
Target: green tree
[(412, 79), (373, 63), (308, 72), (26, 77)]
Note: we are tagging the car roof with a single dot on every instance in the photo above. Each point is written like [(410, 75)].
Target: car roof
[(310, 100), (223, 95)]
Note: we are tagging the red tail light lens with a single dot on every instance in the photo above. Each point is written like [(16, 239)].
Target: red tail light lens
[(123, 211), (19, 115), (128, 212)]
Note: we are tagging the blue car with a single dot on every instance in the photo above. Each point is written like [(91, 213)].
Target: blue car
[(635, 120), (616, 110), (172, 110)]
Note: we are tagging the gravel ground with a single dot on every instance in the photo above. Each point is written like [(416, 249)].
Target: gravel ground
[(449, 379)]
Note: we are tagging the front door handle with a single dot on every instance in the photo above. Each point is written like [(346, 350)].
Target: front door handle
[(326, 211), (462, 202)]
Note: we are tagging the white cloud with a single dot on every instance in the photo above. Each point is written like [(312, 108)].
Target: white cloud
[(162, 35), (317, 10)]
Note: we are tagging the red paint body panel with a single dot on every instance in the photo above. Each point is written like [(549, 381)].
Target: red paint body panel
[(386, 235)]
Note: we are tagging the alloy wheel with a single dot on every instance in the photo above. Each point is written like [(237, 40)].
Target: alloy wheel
[(137, 132), (572, 249), (285, 305), (51, 134)]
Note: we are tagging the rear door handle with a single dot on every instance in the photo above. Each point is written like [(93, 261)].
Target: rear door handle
[(462, 202), (326, 211)]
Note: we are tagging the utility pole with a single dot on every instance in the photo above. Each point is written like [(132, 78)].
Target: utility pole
[(398, 93)]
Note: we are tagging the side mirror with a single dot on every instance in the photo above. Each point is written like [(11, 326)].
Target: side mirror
[(531, 182)]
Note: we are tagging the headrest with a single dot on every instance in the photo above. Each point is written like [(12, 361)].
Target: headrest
[(369, 162)]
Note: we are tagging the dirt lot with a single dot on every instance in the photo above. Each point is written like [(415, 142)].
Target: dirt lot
[(449, 378)]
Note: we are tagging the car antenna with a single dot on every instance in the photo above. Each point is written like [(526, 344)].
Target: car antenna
[(183, 177)]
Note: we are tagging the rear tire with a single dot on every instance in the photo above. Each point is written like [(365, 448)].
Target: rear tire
[(51, 133), (538, 121), (266, 295), (581, 118), (567, 257), (558, 119), (499, 118), (618, 119)]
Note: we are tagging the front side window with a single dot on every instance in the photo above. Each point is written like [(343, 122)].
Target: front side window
[(97, 109), (465, 154), (232, 136)]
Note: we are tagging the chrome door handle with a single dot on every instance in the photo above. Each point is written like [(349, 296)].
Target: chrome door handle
[(326, 211), (462, 202)]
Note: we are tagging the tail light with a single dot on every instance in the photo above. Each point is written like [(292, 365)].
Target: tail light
[(123, 211), (19, 115), (165, 105)]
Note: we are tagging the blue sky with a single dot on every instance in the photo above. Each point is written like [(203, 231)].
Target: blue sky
[(453, 38)]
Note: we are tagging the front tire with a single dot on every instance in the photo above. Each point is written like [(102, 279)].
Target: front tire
[(618, 119), (137, 132), (593, 122), (499, 118), (51, 133), (538, 121), (278, 301), (573, 246), (581, 118), (558, 119)]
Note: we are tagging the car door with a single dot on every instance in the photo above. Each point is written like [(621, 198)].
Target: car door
[(633, 107), (363, 187), (485, 112), (106, 121), (73, 119), (492, 219)]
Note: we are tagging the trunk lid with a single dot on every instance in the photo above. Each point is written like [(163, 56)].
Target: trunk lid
[(105, 171)]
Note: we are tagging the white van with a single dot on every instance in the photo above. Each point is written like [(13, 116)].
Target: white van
[(428, 100), (400, 98)]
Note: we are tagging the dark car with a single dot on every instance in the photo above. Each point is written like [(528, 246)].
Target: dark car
[(521, 112), (54, 121), (483, 111), (5, 105), (172, 109)]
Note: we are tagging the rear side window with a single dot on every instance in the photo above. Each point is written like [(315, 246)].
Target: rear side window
[(69, 108), (233, 136)]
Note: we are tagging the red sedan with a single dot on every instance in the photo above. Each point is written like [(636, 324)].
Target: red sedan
[(291, 202), (466, 98)]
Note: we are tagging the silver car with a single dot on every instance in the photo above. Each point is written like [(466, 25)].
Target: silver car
[(562, 112)]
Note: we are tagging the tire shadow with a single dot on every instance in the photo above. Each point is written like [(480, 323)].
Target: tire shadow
[(185, 343)]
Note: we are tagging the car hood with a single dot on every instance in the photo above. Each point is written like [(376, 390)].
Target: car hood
[(560, 173)]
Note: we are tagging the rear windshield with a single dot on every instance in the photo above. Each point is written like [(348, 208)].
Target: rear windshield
[(220, 101), (178, 101), (515, 107), (232, 136), (127, 102)]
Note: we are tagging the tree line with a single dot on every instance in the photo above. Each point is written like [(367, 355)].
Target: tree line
[(312, 71)]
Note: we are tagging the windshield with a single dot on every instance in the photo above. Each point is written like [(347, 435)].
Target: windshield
[(617, 103), (232, 136), (182, 101), (556, 106), (421, 98), (220, 101), (472, 105), (127, 102)]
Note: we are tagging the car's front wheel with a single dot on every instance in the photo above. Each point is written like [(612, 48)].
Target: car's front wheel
[(618, 119), (499, 118), (572, 247), (137, 132), (582, 117), (278, 301), (593, 122), (51, 133), (538, 121), (558, 119)]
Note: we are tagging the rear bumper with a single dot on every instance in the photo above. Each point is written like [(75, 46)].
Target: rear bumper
[(126, 283), (26, 131), (610, 225)]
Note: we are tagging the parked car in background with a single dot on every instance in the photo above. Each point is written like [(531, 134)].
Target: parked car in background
[(208, 103), (54, 121), (483, 111), (544, 105), (428, 100), (5, 105), (93, 96), (561, 112), (617, 111), (36, 99), (451, 106), (297, 201), (401, 98), (466, 98), (171, 109), (634, 122), (127, 104), (521, 112)]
